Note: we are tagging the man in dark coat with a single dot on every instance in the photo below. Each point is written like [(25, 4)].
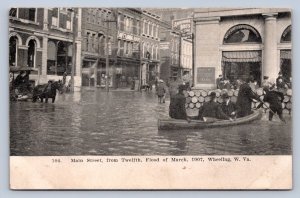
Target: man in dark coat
[(212, 109), (228, 107), (274, 98), (177, 105), (244, 99)]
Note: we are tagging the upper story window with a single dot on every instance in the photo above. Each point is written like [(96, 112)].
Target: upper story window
[(61, 18), (242, 34), (29, 14), (286, 36)]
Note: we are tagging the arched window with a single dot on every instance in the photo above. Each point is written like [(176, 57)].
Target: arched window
[(31, 53), (286, 35), (13, 43), (242, 34)]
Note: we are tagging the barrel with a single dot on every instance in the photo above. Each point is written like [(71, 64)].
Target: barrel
[(191, 105), (207, 99), (198, 105), (236, 92), (191, 93), (266, 105), (260, 91), (289, 92), (289, 105), (186, 105), (261, 98), (194, 99), (203, 93), (230, 92), (201, 99), (285, 111), (220, 100), (197, 93), (188, 99), (286, 99), (283, 105), (233, 99)]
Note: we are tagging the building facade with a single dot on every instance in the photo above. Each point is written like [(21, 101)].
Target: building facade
[(150, 60), (98, 31), (169, 53), (240, 43), (42, 39)]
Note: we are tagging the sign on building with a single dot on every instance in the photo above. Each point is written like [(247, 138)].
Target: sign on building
[(184, 25), (206, 75)]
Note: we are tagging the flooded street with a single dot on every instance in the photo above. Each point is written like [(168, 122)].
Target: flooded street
[(125, 123)]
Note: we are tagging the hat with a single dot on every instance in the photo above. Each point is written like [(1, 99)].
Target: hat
[(266, 77), (225, 95), (181, 87), (212, 95)]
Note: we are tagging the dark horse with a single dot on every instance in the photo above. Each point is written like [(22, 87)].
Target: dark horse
[(46, 91)]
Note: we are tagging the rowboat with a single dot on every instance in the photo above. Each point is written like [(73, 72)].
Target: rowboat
[(172, 124)]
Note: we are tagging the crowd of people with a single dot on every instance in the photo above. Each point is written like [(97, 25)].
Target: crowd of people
[(228, 110)]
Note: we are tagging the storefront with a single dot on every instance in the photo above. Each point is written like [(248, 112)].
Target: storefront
[(249, 43)]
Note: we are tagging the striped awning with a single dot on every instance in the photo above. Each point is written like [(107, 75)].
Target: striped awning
[(242, 56), (286, 54)]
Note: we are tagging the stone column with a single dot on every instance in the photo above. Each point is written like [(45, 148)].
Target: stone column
[(270, 67), (206, 52)]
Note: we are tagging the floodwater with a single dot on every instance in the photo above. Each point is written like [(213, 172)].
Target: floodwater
[(125, 123)]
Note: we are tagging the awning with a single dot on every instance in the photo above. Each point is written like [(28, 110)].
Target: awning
[(286, 54), (242, 56)]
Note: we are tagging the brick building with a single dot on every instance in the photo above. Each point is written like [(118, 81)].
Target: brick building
[(42, 38)]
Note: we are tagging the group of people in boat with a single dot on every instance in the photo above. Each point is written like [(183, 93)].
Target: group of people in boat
[(228, 110)]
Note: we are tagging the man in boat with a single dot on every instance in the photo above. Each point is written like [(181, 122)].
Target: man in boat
[(244, 99), (177, 105), (275, 99), (228, 107), (212, 110)]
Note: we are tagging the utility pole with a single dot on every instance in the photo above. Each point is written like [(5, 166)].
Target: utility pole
[(73, 16), (107, 52)]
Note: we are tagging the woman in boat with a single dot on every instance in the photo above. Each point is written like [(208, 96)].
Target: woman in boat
[(244, 99), (177, 105), (212, 110)]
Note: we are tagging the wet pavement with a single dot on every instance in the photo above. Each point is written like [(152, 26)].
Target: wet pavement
[(125, 123)]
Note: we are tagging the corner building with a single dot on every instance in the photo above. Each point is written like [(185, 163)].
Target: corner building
[(240, 43)]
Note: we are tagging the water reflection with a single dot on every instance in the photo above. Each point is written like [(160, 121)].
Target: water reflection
[(125, 123)]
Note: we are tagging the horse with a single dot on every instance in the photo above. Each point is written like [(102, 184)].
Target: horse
[(44, 91)]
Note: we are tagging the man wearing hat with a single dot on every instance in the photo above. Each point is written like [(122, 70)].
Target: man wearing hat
[(212, 110), (228, 107), (177, 105), (244, 99), (266, 83), (274, 98)]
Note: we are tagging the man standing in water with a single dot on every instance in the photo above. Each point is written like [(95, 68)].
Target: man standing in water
[(244, 99), (177, 105)]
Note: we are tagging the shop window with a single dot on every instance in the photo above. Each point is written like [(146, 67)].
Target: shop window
[(13, 51), (31, 53), (242, 34), (51, 58)]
